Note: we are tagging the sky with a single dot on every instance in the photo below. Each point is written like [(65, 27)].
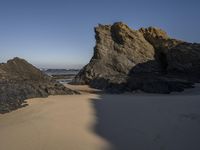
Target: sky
[(60, 33)]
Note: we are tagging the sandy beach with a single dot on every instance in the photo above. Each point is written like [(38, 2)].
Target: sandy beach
[(102, 122), (56, 122)]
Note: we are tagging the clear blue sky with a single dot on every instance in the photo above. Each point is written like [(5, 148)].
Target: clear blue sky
[(59, 33)]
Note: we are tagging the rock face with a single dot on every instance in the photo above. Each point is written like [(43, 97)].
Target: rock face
[(19, 80), (146, 59)]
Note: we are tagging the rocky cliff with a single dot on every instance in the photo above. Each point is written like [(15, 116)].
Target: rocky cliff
[(146, 59), (19, 80)]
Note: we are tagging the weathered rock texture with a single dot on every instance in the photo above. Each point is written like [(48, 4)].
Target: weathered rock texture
[(146, 59), (19, 80)]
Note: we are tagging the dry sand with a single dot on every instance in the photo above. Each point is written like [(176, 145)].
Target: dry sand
[(101, 121), (53, 123)]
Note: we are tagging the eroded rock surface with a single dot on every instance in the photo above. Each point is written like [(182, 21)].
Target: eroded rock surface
[(146, 59)]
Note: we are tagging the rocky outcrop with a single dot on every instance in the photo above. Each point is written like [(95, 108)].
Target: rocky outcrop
[(117, 50), (19, 80), (146, 59)]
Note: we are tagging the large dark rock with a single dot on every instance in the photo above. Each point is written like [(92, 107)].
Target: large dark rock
[(146, 59), (19, 80)]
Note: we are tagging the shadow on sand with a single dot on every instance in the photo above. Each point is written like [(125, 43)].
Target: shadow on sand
[(151, 122)]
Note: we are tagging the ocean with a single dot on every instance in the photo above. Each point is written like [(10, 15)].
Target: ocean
[(62, 75)]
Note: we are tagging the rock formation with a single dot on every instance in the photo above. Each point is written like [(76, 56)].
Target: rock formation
[(146, 59), (117, 50), (19, 80)]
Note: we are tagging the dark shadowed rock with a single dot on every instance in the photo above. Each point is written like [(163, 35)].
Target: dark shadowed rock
[(19, 80), (146, 59), (184, 58)]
